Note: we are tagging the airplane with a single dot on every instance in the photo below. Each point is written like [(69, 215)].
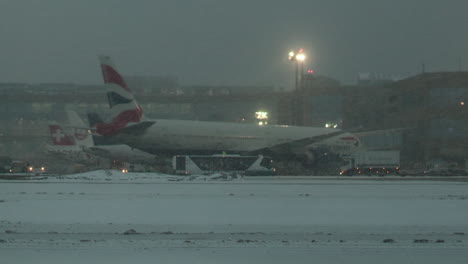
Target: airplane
[(76, 144), (172, 137), (64, 147)]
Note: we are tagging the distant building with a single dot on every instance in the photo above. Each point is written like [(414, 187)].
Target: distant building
[(153, 84), (430, 107), (211, 90), (374, 78), (322, 101)]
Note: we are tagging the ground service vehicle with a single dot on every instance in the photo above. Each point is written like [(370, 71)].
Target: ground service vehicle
[(5, 164), (208, 164), (19, 166), (372, 163)]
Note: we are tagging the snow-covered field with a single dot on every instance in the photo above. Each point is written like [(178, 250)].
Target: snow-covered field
[(103, 217)]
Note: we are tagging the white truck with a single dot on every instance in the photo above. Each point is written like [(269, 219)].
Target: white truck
[(372, 163)]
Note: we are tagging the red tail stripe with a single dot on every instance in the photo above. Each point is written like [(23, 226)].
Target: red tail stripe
[(119, 122), (112, 76)]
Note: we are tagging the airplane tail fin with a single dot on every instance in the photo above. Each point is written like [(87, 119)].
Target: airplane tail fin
[(74, 135), (81, 135), (59, 137), (124, 107)]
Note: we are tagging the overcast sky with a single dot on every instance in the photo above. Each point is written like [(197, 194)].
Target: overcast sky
[(228, 42)]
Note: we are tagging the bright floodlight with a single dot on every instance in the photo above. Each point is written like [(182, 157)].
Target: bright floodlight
[(261, 115), (300, 57), (291, 55)]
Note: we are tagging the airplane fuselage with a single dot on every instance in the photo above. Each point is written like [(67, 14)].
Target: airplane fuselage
[(186, 137), (181, 136), (121, 153)]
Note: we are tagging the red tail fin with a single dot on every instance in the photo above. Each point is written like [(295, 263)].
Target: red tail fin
[(110, 74), (59, 137), (121, 100)]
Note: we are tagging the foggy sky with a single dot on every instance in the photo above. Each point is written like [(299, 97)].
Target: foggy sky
[(228, 42)]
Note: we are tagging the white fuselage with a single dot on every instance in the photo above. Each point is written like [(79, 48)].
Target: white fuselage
[(121, 153), (91, 154), (181, 135)]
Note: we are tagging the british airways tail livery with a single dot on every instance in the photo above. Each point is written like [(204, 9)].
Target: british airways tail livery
[(120, 98)]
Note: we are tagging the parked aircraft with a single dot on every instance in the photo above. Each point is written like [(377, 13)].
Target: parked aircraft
[(76, 144), (170, 137)]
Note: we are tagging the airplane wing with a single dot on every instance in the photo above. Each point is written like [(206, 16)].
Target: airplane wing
[(296, 146), (376, 132)]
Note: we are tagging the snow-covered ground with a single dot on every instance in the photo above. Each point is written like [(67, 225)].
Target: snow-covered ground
[(84, 218)]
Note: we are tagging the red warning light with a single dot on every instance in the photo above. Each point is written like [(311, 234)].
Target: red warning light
[(310, 71)]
